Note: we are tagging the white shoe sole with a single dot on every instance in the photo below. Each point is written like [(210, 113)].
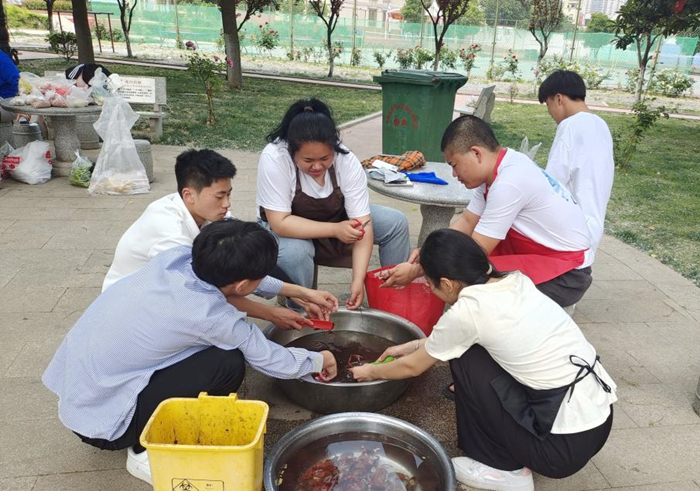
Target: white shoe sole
[(138, 471), (468, 480)]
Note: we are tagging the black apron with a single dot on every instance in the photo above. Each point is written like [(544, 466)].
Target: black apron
[(535, 410), (327, 210)]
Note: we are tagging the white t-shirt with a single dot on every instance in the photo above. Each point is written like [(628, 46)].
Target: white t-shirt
[(524, 197), (277, 181), (581, 158), (531, 339), (165, 224)]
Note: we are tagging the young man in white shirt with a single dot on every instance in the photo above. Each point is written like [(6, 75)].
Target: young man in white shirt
[(581, 157), (522, 217), (204, 188)]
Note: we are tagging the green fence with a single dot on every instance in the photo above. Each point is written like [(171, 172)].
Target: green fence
[(158, 24)]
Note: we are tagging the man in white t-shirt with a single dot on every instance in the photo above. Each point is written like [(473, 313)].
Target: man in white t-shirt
[(581, 157), (204, 190), (522, 217)]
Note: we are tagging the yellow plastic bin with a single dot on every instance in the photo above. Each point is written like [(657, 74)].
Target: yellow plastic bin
[(209, 444)]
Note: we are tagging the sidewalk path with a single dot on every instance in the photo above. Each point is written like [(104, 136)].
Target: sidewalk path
[(56, 244)]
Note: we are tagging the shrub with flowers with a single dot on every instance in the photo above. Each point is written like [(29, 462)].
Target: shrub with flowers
[(448, 59), (337, 48), (423, 57), (205, 70), (510, 63), (191, 45), (405, 58), (266, 39), (468, 57)]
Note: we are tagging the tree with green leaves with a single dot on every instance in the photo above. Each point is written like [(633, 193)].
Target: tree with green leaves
[(642, 22), (231, 28), (474, 17), (600, 23), (448, 12), (126, 14), (508, 10), (545, 18), (329, 12), (412, 11)]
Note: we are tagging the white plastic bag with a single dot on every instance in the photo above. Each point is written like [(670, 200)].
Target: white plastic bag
[(34, 163), (530, 152), (118, 169)]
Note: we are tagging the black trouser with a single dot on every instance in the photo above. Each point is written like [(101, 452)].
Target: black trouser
[(281, 275), (490, 435), (568, 288), (215, 371)]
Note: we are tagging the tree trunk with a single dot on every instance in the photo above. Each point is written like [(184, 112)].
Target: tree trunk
[(49, 12), (232, 45), (4, 33), (125, 30), (438, 46), (82, 32), (640, 83), (331, 56)]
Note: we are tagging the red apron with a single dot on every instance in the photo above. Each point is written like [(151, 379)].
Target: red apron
[(539, 263)]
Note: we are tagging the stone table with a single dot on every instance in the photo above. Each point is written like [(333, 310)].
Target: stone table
[(437, 202), (63, 120)]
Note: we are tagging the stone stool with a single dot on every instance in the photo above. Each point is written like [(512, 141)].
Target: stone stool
[(89, 139), (24, 133), (143, 148), (696, 402)]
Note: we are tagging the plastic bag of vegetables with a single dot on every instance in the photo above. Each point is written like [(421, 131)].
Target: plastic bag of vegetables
[(80, 171)]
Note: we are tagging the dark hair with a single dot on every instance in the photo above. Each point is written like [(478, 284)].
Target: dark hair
[(563, 82), (450, 254), (467, 131), (307, 120), (199, 169), (233, 250), (87, 70)]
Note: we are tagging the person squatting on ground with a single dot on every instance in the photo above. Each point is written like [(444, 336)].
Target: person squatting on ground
[(203, 196), (531, 393), (312, 193), (167, 330)]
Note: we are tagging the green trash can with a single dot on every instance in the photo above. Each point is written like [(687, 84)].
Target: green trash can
[(417, 107)]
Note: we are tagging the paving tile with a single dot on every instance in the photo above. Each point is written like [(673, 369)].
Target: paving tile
[(32, 360), (87, 242), (43, 258), (650, 455), (105, 215), (11, 348), (602, 289), (637, 308), (614, 271), (30, 299), (7, 273), (657, 404), (18, 483), (625, 369), (621, 419), (671, 364), (622, 335), (49, 448), (50, 227), (34, 213), (91, 481), (108, 202), (77, 299), (261, 387), (5, 224), (28, 326), (588, 478), (66, 277), (98, 262), (23, 241), (25, 399), (686, 295)]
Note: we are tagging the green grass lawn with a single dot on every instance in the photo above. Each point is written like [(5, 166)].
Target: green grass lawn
[(243, 117), (655, 204)]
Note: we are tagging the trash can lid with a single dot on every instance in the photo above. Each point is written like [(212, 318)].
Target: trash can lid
[(420, 77)]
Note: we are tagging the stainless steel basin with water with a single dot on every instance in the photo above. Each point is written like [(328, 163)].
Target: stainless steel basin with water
[(374, 426), (335, 397)]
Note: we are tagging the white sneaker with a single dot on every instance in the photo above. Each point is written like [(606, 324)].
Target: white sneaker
[(138, 466), (481, 476)]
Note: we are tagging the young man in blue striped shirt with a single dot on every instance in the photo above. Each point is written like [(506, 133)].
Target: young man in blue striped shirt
[(166, 331)]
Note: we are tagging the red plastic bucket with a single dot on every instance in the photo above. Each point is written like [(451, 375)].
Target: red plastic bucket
[(415, 303)]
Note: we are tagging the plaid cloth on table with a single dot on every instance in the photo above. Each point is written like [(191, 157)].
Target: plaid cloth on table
[(407, 161)]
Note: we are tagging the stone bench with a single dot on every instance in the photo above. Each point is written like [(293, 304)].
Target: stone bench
[(484, 104)]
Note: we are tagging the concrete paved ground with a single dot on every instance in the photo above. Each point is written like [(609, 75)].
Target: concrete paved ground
[(56, 244)]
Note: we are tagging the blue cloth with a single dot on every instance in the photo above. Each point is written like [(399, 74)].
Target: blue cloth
[(148, 321), (428, 177), (9, 76)]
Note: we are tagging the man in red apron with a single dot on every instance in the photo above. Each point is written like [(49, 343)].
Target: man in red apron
[(524, 219)]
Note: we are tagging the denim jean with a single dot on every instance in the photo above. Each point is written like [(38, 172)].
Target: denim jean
[(296, 256)]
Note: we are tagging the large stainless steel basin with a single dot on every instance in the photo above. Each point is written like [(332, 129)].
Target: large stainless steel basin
[(335, 397), (375, 427)]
